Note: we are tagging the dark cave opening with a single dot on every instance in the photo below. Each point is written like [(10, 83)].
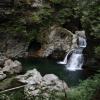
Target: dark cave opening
[(34, 46)]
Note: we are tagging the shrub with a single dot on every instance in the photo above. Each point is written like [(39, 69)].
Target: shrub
[(85, 90), (97, 52)]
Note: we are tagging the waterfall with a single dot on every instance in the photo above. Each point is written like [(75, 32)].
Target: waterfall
[(76, 59), (65, 59)]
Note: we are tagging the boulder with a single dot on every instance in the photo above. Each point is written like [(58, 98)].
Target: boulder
[(31, 77), (37, 3), (12, 67), (80, 33), (2, 75), (44, 86), (54, 83)]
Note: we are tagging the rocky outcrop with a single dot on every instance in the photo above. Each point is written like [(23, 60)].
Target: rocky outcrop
[(44, 86), (57, 38), (2, 75), (80, 33), (31, 77), (2, 59), (12, 67), (12, 46), (9, 67)]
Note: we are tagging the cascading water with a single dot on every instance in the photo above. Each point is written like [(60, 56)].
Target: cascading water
[(76, 59), (65, 59)]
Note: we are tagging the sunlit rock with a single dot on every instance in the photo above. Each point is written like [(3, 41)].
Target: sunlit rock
[(12, 67), (37, 85), (31, 77), (58, 38), (37, 3)]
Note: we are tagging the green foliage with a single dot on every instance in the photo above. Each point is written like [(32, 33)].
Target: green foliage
[(86, 90), (30, 23), (13, 95), (19, 95), (57, 1), (89, 12), (97, 52)]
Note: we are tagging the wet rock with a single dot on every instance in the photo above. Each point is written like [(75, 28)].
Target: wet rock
[(12, 67), (74, 42), (80, 33)]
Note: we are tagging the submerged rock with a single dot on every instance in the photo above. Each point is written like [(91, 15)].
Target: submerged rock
[(41, 86), (12, 67)]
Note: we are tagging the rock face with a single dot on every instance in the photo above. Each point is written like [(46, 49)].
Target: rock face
[(37, 3), (80, 33), (57, 38), (12, 67), (9, 67), (31, 77), (2, 59), (12, 46), (2, 75), (44, 86), (16, 49)]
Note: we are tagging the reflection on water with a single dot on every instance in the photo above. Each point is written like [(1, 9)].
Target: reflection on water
[(45, 66)]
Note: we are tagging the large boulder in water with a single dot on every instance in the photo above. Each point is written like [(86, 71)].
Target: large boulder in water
[(12, 67)]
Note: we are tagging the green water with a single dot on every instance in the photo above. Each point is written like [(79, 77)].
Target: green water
[(47, 66)]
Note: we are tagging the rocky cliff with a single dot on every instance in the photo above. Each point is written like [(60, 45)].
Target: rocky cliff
[(20, 27), (47, 22)]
